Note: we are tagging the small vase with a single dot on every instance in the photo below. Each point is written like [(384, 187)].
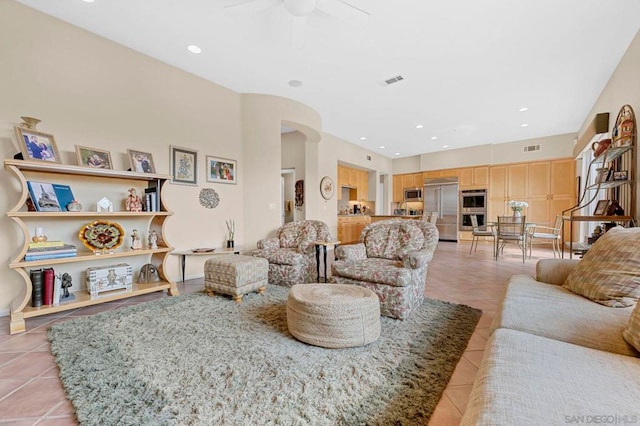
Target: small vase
[(229, 243), (517, 213)]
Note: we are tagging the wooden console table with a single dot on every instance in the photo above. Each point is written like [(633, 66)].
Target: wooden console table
[(184, 253)]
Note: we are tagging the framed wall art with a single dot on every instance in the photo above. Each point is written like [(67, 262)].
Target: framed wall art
[(93, 157), (141, 162), (183, 165), (37, 146), (222, 170)]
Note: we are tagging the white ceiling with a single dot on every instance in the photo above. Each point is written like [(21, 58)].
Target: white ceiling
[(468, 65)]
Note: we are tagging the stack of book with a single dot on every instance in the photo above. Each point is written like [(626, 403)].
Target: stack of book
[(49, 250), (47, 289)]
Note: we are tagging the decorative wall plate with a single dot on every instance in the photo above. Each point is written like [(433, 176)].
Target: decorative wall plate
[(209, 198), (327, 188), (101, 235)]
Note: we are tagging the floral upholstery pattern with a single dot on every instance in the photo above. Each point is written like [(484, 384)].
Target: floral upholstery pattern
[(391, 259), (291, 253)]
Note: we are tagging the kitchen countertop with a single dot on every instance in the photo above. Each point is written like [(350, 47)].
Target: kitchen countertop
[(354, 215)]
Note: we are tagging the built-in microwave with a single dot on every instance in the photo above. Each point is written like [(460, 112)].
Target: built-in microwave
[(413, 194)]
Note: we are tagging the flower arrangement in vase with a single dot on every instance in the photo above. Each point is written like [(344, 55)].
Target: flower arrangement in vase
[(517, 206)]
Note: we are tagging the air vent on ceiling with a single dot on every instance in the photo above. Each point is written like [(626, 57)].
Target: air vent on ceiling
[(531, 148), (391, 80), (369, 157)]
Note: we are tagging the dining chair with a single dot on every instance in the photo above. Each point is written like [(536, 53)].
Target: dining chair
[(511, 229), (546, 233), (477, 233)]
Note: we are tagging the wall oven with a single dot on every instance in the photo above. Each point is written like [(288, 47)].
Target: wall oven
[(473, 202)]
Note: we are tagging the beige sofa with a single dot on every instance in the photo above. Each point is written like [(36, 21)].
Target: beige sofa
[(555, 358)]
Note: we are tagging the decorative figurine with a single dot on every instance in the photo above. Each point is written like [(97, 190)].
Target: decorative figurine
[(153, 240), (105, 205), (74, 206), (136, 241), (133, 202), (66, 283)]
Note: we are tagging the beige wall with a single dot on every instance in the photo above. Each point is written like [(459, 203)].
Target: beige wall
[(93, 92)]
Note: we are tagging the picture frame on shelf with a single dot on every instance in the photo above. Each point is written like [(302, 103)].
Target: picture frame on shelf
[(603, 174), (601, 208), (93, 157), (621, 175), (37, 146), (141, 162), (183, 165), (222, 170)]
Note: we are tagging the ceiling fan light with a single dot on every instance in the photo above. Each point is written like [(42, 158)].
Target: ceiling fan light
[(300, 7)]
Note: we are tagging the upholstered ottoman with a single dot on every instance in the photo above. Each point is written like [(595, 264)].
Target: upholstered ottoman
[(333, 315), (235, 275)]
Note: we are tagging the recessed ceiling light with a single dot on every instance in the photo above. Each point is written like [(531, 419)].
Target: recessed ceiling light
[(524, 125), (523, 109), (194, 49), (433, 138), (445, 146), (363, 138), (295, 83), (397, 153), (88, 1), (419, 126), (382, 147)]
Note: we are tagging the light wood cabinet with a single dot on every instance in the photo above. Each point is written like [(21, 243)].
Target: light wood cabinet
[(398, 189), (83, 178), (350, 228), (353, 178), (363, 185), (473, 177)]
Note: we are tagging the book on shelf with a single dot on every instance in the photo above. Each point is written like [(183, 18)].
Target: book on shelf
[(57, 290), (49, 197), (37, 284), (45, 256), (49, 278), (42, 244), (151, 199), (66, 248)]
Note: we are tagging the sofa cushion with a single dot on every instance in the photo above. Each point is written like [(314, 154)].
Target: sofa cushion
[(528, 379), (382, 271), (294, 234), (631, 332), (552, 311), (609, 273), (393, 240), (281, 256)]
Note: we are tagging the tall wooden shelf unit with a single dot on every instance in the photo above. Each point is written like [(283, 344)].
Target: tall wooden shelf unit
[(619, 156), (30, 170)]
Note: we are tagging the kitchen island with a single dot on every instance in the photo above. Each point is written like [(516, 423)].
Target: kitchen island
[(377, 218), (350, 227)]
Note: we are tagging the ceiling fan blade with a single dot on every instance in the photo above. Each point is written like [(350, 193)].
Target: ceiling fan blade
[(250, 6), (345, 11), (298, 30)]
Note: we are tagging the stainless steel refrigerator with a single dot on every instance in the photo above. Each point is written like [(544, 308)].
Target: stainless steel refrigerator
[(441, 195)]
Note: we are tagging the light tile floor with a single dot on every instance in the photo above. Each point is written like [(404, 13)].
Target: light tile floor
[(31, 393)]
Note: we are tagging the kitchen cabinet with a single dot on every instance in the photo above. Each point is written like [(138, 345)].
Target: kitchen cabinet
[(506, 182), (473, 177), (440, 174), (551, 189), (362, 186), (398, 190), (350, 228), (353, 178), (83, 180), (412, 180)]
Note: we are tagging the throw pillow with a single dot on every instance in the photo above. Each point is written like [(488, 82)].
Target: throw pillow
[(631, 332), (609, 273)]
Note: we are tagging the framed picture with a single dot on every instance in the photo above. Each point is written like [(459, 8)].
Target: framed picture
[(601, 208), (37, 146), (222, 170), (141, 162), (621, 175), (93, 157), (184, 165), (603, 175)]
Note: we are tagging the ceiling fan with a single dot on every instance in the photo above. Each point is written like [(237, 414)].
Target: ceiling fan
[(300, 10)]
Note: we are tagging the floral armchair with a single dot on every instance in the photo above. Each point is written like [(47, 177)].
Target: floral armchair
[(391, 259), (291, 253)]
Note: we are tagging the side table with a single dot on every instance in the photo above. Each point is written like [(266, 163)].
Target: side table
[(184, 253), (324, 245)]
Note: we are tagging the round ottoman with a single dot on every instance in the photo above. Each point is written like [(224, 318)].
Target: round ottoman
[(333, 315)]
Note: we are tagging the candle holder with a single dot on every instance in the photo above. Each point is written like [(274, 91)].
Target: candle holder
[(39, 237)]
